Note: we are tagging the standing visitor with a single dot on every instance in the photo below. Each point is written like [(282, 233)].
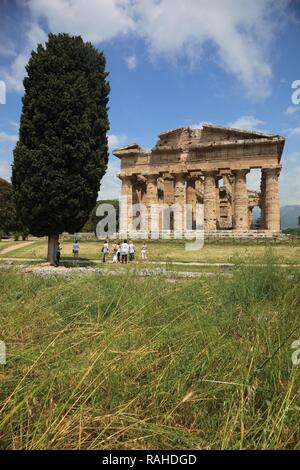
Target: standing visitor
[(75, 249), (124, 251), (131, 251), (119, 252), (115, 252), (58, 252), (144, 251), (105, 251)]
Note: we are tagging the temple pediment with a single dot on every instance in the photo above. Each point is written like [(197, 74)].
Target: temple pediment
[(209, 134), (214, 133), (127, 150)]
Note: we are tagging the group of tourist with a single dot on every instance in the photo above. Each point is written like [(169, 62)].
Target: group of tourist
[(121, 252)]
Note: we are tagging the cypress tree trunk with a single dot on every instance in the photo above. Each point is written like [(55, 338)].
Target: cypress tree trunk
[(52, 249)]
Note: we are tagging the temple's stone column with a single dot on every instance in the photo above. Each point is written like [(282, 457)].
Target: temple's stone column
[(210, 202), (138, 215), (262, 200), (271, 202), (191, 200), (199, 187), (250, 217), (152, 205), (135, 200), (160, 188), (179, 201), (241, 215), (218, 212), (168, 215), (228, 183), (126, 205), (229, 186)]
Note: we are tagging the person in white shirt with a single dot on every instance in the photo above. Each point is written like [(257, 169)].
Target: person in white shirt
[(124, 251), (105, 251), (75, 249), (144, 251), (115, 248), (131, 251)]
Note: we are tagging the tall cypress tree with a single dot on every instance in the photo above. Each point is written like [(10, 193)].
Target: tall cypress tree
[(62, 151)]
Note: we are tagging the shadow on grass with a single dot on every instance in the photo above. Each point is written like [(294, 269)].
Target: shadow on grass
[(77, 263)]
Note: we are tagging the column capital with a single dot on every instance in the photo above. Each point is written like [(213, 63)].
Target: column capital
[(167, 176), (271, 171), (179, 174), (241, 171), (141, 178), (194, 174), (225, 172), (125, 177), (213, 173), (151, 176)]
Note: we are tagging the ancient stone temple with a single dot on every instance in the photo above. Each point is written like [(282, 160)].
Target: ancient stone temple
[(209, 166)]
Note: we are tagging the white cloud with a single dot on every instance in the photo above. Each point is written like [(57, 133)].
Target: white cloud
[(7, 49), (95, 20), (246, 122), (5, 170), (240, 33), (4, 137), (293, 131), (115, 141), (292, 109), (131, 61), (111, 184), (13, 75)]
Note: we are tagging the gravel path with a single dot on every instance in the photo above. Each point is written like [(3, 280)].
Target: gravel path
[(70, 272), (83, 262)]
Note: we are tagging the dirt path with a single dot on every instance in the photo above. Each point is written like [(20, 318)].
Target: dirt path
[(45, 270), (86, 262), (15, 246)]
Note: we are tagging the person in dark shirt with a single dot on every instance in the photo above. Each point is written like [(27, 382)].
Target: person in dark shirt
[(58, 252)]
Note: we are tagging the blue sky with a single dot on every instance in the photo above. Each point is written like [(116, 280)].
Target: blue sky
[(171, 63)]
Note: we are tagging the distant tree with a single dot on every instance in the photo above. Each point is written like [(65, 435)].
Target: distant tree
[(8, 216), (62, 151), (256, 225), (9, 221), (299, 220)]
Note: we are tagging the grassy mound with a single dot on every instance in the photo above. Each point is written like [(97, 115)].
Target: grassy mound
[(123, 362)]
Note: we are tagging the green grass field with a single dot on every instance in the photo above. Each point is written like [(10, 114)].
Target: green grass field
[(169, 251), (120, 362)]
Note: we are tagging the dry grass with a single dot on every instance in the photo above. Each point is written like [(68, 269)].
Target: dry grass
[(123, 362)]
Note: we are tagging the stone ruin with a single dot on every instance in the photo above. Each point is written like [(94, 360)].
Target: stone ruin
[(206, 166)]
